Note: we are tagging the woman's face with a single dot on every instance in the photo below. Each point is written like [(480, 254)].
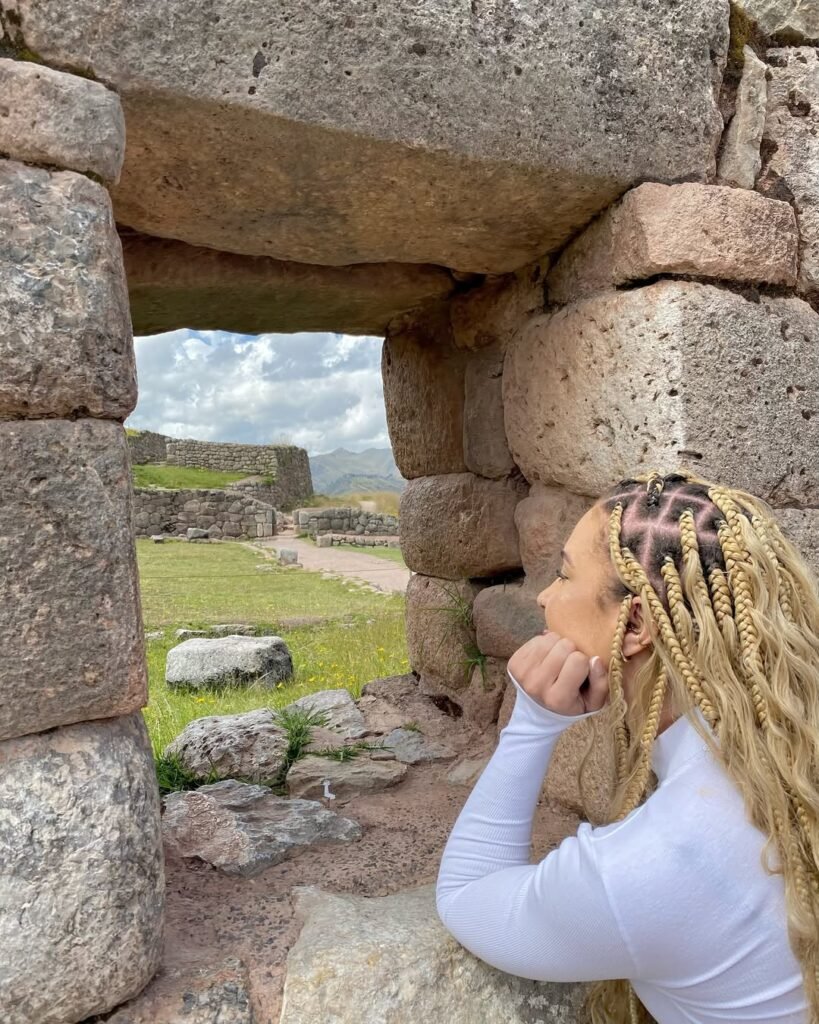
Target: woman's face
[(571, 602)]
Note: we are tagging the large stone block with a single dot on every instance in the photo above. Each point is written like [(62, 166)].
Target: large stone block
[(741, 160), (790, 21), (393, 133), (71, 628), (440, 633), (65, 330), (174, 285), (490, 314), (460, 525), (677, 375), (485, 449), (801, 527), (82, 885), (544, 519), (705, 230), (48, 117), (506, 616), (423, 376), (790, 146)]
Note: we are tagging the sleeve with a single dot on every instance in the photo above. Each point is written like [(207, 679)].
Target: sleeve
[(550, 921)]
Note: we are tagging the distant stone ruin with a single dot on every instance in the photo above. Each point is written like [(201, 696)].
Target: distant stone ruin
[(588, 232)]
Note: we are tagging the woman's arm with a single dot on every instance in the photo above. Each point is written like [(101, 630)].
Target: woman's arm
[(549, 921)]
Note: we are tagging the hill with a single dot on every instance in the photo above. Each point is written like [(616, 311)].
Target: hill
[(343, 472)]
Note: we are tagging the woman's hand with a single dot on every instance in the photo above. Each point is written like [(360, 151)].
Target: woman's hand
[(555, 674)]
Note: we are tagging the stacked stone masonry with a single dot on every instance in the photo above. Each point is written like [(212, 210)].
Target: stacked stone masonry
[(223, 514), (82, 889), (344, 519)]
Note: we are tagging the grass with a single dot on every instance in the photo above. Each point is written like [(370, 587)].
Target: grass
[(194, 586), (385, 501), (181, 477)]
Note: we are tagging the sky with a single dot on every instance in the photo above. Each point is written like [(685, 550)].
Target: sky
[(318, 391)]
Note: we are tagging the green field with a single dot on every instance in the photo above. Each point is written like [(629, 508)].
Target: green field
[(181, 477), (360, 637)]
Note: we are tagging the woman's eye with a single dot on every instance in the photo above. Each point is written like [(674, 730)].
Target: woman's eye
[(560, 575)]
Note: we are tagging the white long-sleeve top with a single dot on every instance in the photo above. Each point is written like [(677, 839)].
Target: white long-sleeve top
[(674, 897)]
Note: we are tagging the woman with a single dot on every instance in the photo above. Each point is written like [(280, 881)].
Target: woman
[(684, 618)]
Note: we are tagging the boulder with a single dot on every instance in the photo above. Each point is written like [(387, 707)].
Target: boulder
[(544, 520), (790, 21), (411, 746), (60, 120), (460, 525), (394, 953), (202, 662), (506, 616), (242, 829), (740, 160), (704, 230), (71, 630), (587, 795), (342, 715), (65, 332), (396, 135), (485, 449), (790, 145), (326, 778), (801, 527), (82, 886), (488, 315), (251, 745), (440, 633), (713, 381)]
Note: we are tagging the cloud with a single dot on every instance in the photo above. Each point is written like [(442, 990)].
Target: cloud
[(320, 391)]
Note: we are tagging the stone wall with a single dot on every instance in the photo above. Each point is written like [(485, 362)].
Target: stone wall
[(221, 513), (344, 519), (147, 447), (223, 456)]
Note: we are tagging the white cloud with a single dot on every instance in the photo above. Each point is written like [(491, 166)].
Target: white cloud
[(322, 391)]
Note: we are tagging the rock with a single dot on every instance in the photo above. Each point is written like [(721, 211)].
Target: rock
[(324, 541), (193, 994), (345, 779), (175, 285), (82, 886), (251, 745), (801, 527), (790, 21), (395, 954), (791, 147), (423, 379), (241, 829), (158, 538), (411, 746), (467, 771), (506, 616), (155, 634), (229, 661), (71, 624), (740, 161), (287, 556), (233, 629), (487, 685), (460, 525), (193, 533), (485, 449), (61, 120), (65, 333), (394, 701), (705, 230), (490, 314), (714, 382), (440, 633), (590, 800), (544, 520), (323, 739), (343, 717), (186, 634), (447, 137)]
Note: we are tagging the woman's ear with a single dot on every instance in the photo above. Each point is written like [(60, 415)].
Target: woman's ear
[(636, 637)]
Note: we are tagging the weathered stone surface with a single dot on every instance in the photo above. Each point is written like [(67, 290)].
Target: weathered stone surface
[(791, 147), (506, 617), (417, 136), (65, 331), (790, 21), (467, 771), (677, 375), (82, 885), (490, 314), (323, 739), (192, 995), (175, 285), (317, 778), (544, 519), (394, 953), (482, 699), (706, 230), (342, 715), (460, 525), (423, 376), (61, 120), (588, 795), (251, 745), (64, 535), (241, 829), (395, 701), (485, 449), (740, 160), (204, 662), (411, 746), (440, 633), (801, 527)]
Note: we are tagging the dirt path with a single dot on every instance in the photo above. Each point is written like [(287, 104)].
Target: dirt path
[(378, 572)]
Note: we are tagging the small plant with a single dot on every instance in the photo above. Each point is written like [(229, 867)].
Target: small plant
[(172, 776), (413, 726), (460, 614), (348, 751), (298, 724)]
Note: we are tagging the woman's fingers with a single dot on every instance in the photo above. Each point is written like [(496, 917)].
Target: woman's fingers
[(564, 696), (558, 676)]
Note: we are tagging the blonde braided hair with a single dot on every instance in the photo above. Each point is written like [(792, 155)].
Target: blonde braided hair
[(732, 610)]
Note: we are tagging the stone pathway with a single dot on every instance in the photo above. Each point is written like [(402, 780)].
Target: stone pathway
[(378, 572)]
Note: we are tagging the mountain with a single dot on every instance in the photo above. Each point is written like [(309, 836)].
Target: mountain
[(342, 472)]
